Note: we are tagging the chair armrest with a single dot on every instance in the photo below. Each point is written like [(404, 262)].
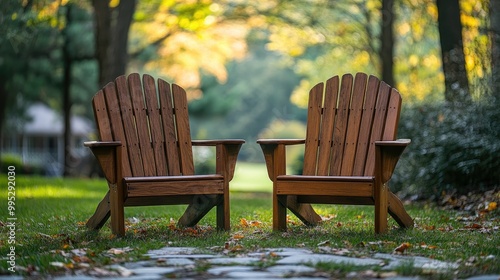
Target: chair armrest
[(94, 144), (398, 142), (108, 155), (387, 154), (275, 154), (281, 141), (226, 151), (217, 142)]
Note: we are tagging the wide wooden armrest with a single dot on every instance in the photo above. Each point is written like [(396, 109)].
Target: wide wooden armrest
[(275, 154), (227, 151), (387, 154), (281, 141), (216, 142), (398, 142), (92, 144), (108, 155)]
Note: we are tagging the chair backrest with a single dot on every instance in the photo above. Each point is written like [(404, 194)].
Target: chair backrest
[(345, 118), (152, 123)]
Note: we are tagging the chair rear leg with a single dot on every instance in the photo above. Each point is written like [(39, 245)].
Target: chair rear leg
[(101, 215), (304, 211), (198, 208), (398, 212)]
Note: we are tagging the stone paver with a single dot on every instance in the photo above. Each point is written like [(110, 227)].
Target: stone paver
[(276, 263)]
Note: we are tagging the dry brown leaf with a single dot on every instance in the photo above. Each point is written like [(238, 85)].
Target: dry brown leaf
[(402, 248), (474, 226), (243, 222), (238, 236)]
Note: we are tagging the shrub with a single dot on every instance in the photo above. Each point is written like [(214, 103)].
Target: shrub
[(204, 160), (16, 161), (10, 160), (455, 147), (283, 129)]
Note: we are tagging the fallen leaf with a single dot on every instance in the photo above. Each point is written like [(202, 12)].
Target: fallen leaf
[(324, 243), (402, 248), (474, 226), (328, 217), (255, 223), (238, 236), (57, 264), (491, 206), (243, 222), (119, 251)]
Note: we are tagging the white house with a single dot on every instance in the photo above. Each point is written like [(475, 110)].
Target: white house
[(40, 140)]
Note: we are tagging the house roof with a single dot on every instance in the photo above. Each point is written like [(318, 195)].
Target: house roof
[(46, 121)]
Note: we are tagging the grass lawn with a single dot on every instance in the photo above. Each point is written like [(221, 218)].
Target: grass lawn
[(51, 215)]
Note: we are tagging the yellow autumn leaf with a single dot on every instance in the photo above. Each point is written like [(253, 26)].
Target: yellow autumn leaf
[(243, 222), (492, 206), (238, 236)]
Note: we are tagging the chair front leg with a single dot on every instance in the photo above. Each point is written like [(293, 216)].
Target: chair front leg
[(279, 212), (223, 212), (381, 208), (116, 200)]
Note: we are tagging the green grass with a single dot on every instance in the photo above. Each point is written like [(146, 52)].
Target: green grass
[(251, 177), (51, 214)]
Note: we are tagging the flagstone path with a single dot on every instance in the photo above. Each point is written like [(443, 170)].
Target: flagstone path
[(276, 263)]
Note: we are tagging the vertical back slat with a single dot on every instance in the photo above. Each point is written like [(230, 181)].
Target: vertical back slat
[(366, 123), (116, 121), (157, 139), (101, 117), (392, 120), (183, 130), (129, 127), (354, 123), (377, 126), (167, 117), (327, 124), (340, 129), (313, 129), (142, 124)]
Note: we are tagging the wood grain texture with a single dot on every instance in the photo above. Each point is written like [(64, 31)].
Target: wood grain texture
[(350, 153), (145, 152)]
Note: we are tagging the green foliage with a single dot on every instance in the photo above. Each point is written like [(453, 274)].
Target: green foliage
[(454, 147), (10, 160), (7, 160), (280, 129), (257, 91), (204, 160)]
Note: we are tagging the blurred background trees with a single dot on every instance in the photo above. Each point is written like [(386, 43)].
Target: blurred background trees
[(248, 66)]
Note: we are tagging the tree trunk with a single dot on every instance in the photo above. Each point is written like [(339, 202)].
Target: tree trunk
[(387, 42), (67, 62), (452, 51), (112, 27), (3, 105), (103, 40), (495, 47)]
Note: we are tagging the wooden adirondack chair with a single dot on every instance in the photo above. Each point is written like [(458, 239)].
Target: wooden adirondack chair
[(145, 152), (350, 153)]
